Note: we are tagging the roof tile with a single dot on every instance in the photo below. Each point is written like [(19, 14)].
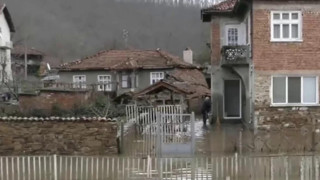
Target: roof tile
[(127, 59), (224, 6)]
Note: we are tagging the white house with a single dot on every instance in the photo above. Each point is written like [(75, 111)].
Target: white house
[(6, 28)]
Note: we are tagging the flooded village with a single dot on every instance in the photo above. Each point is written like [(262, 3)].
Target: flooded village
[(159, 89)]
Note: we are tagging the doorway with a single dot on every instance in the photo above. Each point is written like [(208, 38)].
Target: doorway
[(232, 99)]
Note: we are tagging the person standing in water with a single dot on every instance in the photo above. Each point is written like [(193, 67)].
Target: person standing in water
[(205, 109)]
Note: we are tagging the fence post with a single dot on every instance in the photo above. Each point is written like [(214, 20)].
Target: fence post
[(316, 168), (55, 168), (271, 169), (159, 134), (193, 168), (192, 132), (302, 169), (236, 164), (240, 142), (121, 137), (149, 166)]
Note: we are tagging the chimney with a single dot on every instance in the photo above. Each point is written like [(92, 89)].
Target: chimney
[(188, 56)]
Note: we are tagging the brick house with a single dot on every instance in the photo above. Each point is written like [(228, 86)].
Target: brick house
[(265, 57)]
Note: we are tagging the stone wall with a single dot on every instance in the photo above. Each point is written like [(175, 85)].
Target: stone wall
[(46, 99), (266, 114), (77, 137)]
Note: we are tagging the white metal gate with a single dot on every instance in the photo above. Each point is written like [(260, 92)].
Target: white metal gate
[(164, 130)]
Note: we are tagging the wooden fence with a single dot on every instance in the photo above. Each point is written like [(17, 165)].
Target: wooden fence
[(222, 167)]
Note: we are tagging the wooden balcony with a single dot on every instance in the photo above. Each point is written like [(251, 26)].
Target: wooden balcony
[(235, 55)]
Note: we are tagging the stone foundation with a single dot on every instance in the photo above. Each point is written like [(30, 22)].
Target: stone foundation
[(58, 137), (280, 116)]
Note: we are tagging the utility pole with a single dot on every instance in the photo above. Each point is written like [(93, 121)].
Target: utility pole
[(125, 36), (25, 62)]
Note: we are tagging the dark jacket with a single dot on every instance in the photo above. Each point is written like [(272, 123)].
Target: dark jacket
[(206, 106)]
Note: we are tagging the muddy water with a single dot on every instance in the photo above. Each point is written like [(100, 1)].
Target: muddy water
[(260, 155), (228, 139)]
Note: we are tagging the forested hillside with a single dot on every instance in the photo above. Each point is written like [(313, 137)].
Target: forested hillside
[(74, 28)]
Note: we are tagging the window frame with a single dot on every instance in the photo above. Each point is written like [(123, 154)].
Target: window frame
[(128, 81), (157, 79), (236, 27), (302, 103), (79, 84), (299, 21), (105, 85)]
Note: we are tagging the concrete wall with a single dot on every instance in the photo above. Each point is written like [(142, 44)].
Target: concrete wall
[(91, 77), (219, 73), (58, 137), (45, 100)]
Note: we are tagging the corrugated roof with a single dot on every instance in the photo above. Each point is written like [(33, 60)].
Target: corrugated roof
[(127, 59)]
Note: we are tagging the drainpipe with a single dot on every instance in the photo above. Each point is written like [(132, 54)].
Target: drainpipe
[(252, 95)]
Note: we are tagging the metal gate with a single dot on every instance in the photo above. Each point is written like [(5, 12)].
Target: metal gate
[(160, 131), (176, 134)]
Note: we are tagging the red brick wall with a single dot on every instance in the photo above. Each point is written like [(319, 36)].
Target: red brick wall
[(46, 99), (215, 43), (286, 56)]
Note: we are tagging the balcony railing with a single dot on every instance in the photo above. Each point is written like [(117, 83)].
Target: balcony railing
[(235, 55)]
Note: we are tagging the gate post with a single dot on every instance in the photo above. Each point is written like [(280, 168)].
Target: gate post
[(55, 173), (159, 134), (121, 137), (192, 121)]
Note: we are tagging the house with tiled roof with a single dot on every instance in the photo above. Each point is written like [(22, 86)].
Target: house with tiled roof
[(185, 87), (121, 71), (265, 61), (38, 63)]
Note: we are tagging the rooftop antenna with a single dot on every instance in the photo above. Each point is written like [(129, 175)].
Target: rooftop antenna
[(125, 36)]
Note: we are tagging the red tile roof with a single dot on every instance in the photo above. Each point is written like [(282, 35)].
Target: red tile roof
[(127, 59), (225, 6), (186, 81), (192, 76), (19, 50)]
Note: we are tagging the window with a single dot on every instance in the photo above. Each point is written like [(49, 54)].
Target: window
[(235, 34), (79, 81), (104, 83), (232, 36), (125, 81), (155, 77), (295, 90), (286, 26)]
